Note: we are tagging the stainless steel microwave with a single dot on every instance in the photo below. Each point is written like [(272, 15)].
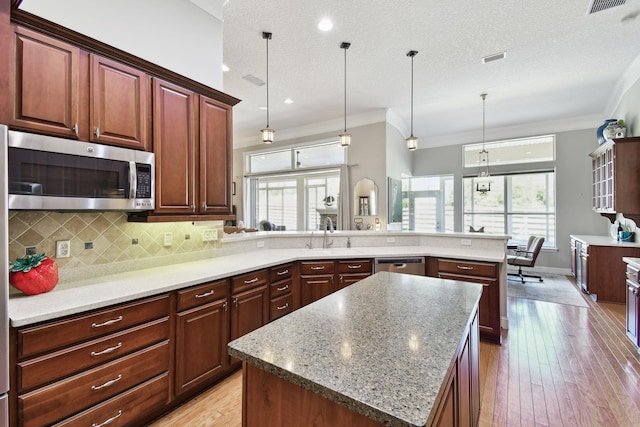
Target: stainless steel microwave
[(49, 173)]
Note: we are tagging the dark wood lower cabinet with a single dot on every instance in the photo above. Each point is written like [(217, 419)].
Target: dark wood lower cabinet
[(485, 273)]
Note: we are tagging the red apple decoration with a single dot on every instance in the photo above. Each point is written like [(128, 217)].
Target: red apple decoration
[(34, 274)]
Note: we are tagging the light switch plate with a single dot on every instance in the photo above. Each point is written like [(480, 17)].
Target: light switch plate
[(210, 235), (168, 238)]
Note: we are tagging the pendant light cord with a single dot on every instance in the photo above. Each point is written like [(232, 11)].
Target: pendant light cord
[(412, 95), (345, 90), (268, 81)]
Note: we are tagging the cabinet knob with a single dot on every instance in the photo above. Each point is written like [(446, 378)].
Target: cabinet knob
[(75, 129), (96, 132), (204, 206), (235, 301), (193, 208), (225, 306)]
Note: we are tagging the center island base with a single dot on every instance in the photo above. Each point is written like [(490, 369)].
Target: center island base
[(392, 349)]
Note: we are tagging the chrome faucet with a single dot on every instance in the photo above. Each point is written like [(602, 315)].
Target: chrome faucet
[(326, 219)]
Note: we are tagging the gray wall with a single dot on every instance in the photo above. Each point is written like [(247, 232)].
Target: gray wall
[(629, 109), (573, 188)]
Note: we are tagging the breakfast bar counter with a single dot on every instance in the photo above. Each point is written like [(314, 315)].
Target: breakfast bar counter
[(392, 349)]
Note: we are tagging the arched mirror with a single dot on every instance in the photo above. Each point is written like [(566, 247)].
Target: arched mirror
[(365, 198)]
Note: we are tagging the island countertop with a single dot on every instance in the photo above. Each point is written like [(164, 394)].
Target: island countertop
[(382, 347)]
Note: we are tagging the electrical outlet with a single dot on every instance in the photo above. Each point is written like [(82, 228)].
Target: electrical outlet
[(63, 249), (465, 242), (260, 243), (168, 238), (391, 239), (30, 250), (210, 235), (88, 245)]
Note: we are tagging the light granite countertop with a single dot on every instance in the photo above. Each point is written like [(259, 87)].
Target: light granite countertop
[(633, 262), (75, 297), (381, 347), (604, 241)]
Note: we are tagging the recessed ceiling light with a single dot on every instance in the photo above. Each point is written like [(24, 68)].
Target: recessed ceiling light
[(325, 24), (262, 107), (225, 68), (288, 101)]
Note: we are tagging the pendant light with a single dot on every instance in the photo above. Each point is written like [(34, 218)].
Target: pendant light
[(267, 132), (483, 182), (345, 138), (412, 141)]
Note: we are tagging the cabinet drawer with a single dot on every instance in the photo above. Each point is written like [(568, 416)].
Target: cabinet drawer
[(66, 362), (202, 294), (280, 273), (54, 335), (59, 400), (280, 288), (350, 279), (248, 281), (317, 267), (125, 408), (281, 306), (469, 268), (357, 266)]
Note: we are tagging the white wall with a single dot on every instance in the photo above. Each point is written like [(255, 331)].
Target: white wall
[(629, 109), (175, 34)]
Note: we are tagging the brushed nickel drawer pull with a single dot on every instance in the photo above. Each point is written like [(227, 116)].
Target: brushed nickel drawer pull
[(284, 288), (206, 294), (107, 323), (317, 282), (286, 305), (354, 266), (107, 384), (464, 267), (280, 273), (320, 267), (107, 350), (254, 280), (108, 421)]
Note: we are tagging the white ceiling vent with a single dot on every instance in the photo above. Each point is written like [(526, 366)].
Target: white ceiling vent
[(494, 57), (600, 5), (253, 79)]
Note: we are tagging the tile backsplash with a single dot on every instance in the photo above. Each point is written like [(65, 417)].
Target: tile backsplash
[(100, 239)]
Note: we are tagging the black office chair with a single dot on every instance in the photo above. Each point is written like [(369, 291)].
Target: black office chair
[(526, 257)]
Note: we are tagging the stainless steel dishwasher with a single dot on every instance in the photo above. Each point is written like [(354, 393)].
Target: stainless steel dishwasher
[(407, 265)]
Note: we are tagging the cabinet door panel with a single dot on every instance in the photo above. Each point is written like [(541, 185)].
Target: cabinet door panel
[(250, 310), (45, 84), (201, 344), (174, 134), (119, 104), (216, 153), (315, 287)]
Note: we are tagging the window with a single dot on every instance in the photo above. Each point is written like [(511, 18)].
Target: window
[(427, 203), (519, 205), (288, 186)]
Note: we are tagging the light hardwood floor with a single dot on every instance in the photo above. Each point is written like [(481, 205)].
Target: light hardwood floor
[(559, 365)]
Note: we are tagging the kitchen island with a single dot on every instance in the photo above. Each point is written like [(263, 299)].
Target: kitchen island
[(392, 349)]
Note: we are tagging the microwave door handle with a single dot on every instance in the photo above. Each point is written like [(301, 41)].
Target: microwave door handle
[(133, 179)]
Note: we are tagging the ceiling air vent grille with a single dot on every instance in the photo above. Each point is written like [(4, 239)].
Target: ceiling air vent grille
[(253, 79), (600, 5)]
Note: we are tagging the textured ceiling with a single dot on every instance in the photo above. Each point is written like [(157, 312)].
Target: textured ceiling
[(563, 69)]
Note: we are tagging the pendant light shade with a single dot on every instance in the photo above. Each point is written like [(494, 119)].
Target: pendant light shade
[(267, 132), (412, 141), (483, 182), (345, 138)]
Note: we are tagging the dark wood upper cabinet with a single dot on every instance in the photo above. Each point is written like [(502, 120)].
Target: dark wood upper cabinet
[(216, 156), (44, 84), (174, 144), (120, 103)]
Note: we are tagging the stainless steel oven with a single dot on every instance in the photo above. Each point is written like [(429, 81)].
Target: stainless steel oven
[(48, 173)]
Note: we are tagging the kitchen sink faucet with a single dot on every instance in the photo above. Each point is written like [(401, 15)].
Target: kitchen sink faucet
[(326, 219)]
